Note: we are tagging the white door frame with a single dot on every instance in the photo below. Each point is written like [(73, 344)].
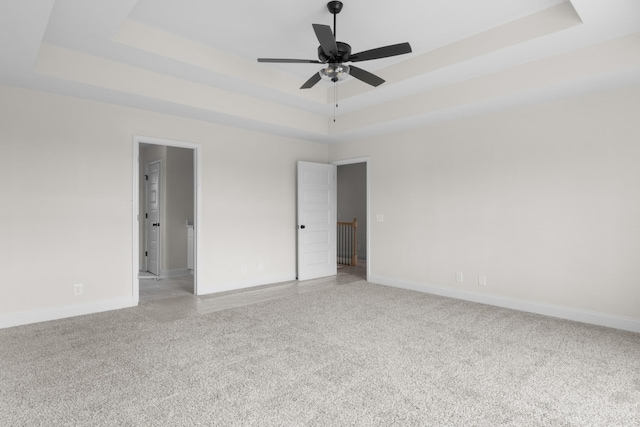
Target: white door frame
[(350, 162), (197, 220)]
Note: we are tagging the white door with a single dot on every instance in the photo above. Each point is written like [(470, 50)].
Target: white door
[(317, 206), (152, 218)]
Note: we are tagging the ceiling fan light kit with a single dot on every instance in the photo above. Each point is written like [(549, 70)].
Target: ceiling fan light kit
[(335, 72), (336, 53)]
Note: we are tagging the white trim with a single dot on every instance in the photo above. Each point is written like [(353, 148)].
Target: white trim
[(28, 317), (234, 286), (368, 230), (135, 223), (198, 226), (602, 319), (351, 161), (175, 272)]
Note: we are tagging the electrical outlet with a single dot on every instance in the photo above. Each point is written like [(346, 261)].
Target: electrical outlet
[(78, 289), (459, 277), (482, 280)]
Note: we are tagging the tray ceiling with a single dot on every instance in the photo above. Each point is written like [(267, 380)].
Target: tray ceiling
[(197, 58)]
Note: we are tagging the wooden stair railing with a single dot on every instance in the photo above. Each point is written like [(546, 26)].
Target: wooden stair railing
[(348, 243)]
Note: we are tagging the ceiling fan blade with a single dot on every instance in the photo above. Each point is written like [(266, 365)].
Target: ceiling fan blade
[(311, 82), (365, 76), (381, 52), (326, 39), (290, 61)]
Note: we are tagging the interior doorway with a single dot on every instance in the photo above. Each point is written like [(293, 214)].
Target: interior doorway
[(353, 203), (166, 210)]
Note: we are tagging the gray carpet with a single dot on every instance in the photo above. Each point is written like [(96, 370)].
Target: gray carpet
[(355, 354)]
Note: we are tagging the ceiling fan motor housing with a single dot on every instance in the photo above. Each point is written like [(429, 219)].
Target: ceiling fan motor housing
[(344, 51)]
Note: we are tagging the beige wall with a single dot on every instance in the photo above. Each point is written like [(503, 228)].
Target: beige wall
[(66, 177), (544, 201)]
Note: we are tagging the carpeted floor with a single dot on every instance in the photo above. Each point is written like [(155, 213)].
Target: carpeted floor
[(353, 354)]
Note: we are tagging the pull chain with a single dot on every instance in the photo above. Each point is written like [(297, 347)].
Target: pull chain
[(335, 100)]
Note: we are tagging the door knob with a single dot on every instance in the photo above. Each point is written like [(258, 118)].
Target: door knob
[(156, 224), (302, 226)]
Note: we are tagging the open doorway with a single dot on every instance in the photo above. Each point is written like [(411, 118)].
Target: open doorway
[(353, 207), (166, 192)]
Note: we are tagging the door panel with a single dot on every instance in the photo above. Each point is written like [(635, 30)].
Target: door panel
[(317, 204), (152, 221)]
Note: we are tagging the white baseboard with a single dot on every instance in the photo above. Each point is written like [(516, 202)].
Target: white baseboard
[(213, 289), (584, 316), (35, 316), (618, 322)]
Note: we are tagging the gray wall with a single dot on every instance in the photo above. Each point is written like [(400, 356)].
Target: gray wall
[(179, 205)]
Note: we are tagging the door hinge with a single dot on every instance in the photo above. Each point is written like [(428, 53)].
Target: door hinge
[(146, 215), (146, 253), (146, 177)]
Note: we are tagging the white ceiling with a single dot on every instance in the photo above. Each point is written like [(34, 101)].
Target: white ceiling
[(197, 58)]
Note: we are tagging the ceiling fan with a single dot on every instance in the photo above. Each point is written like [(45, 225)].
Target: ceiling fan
[(335, 54)]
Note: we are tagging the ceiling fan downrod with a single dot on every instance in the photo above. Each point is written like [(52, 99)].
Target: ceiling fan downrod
[(334, 7)]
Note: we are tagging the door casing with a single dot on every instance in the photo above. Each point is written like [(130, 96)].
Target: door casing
[(198, 267)]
